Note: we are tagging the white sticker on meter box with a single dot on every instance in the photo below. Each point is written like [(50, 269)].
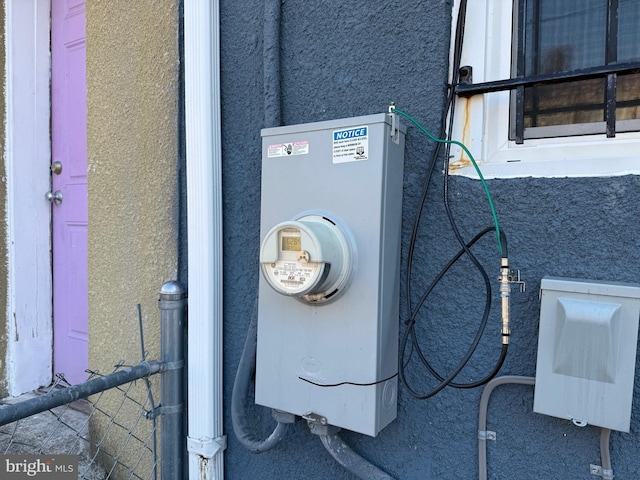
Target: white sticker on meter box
[(288, 149), (351, 144)]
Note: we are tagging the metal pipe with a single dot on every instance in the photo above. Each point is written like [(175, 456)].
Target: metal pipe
[(206, 440), (482, 416), (246, 368), (350, 460), (271, 64), (172, 311), (17, 411), (242, 384), (605, 454)]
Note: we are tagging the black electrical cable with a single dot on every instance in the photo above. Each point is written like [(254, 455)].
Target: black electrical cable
[(449, 105), (443, 131), (448, 381), (481, 328)]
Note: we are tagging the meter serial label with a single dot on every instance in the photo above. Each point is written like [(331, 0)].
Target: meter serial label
[(288, 149), (351, 144), (292, 275)]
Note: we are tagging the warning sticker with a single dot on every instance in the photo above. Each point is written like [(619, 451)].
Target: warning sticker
[(351, 144), (288, 149)]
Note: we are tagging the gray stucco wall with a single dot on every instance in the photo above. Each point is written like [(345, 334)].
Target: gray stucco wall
[(352, 58)]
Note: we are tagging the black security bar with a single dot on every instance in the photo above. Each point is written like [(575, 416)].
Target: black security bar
[(468, 90)]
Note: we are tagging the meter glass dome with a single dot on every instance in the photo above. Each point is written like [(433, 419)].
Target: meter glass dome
[(309, 258)]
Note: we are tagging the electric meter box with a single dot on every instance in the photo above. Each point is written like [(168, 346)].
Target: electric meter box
[(330, 261), (587, 351)]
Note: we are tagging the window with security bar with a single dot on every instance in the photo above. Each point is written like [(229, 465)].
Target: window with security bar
[(594, 42)]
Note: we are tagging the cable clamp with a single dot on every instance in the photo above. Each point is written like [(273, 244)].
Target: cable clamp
[(164, 410), (487, 435), (514, 277), (605, 473), (168, 366), (207, 447)]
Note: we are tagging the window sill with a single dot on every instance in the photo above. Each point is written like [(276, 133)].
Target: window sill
[(552, 168)]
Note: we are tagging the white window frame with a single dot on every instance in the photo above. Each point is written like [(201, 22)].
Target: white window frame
[(482, 122)]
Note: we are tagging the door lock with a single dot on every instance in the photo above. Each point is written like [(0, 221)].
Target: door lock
[(54, 197)]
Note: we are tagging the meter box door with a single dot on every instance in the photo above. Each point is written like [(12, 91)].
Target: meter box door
[(587, 351), (330, 263)]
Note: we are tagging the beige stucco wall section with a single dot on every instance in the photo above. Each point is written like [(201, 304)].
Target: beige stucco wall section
[(132, 143), (132, 138)]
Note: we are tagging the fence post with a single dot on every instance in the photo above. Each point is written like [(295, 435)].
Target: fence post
[(173, 299)]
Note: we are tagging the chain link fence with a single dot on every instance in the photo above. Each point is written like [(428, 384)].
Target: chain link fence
[(111, 421), (124, 447)]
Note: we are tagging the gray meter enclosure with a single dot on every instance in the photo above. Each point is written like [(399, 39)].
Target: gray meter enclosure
[(337, 360)]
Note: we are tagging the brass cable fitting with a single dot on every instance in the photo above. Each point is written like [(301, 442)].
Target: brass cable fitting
[(505, 294)]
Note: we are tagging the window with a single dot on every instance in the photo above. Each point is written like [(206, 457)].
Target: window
[(552, 37), (585, 122)]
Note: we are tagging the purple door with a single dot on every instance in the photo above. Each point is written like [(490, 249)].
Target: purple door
[(69, 184)]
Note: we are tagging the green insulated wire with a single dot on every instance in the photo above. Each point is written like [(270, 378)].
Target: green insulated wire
[(473, 161)]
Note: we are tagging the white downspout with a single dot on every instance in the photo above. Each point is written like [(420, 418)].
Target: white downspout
[(205, 442)]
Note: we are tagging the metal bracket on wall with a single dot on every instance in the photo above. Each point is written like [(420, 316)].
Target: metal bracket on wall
[(514, 277), (606, 474), (160, 410), (465, 75), (395, 128), (318, 424), (395, 125), (487, 435)]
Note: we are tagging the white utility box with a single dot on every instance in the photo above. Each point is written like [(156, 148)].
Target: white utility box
[(330, 262), (587, 351)]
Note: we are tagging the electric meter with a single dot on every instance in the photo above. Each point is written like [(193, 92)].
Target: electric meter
[(310, 258), (330, 223)]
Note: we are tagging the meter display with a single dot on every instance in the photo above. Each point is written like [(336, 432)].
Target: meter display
[(309, 258), (290, 240)]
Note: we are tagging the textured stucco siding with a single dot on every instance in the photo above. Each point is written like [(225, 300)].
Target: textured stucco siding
[(342, 59), (133, 136), (132, 124)]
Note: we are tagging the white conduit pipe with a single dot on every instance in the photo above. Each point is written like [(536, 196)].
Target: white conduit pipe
[(205, 442)]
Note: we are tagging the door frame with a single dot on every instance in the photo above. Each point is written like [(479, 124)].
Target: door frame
[(28, 215)]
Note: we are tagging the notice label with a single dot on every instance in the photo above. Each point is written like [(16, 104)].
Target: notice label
[(288, 149), (351, 144)]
